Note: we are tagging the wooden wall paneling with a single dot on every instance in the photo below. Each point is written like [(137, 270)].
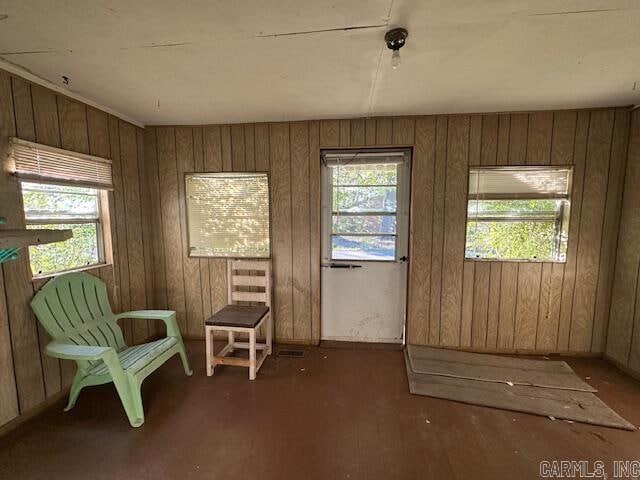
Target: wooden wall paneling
[(9, 404), (455, 207), (169, 203), (632, 183), (123, 289), (493, 308), (8, 393), (249, 148), (482, 282), (370, 131), (384, 131), (439, 173), (212, 139), (504, 128), (489, 154), (17, 276), (403, 131), (45, 114), (508, 304), (549, 309), (329, 133), (518, 139), (529, 277), (622, 333), (281, 233), (314, 227), (198, 158), (145, 215), (261, 147), (422, 186), (345, 133), (579, 159), (610, 228), (475, 140), (300, 233), (466, 320), (23, 109), (539, 138), (25, 129), (358, 129), (591, 223), (151, 180), (191, 266), (134, 250), (238, 163), (225, 138), (73, 125)]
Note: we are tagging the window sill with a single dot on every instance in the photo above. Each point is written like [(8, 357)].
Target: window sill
[(38, 278), (514, 260)]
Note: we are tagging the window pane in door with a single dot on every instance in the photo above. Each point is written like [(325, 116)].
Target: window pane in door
[(364, 199), (353, 247), (366, 174), (370, 224)]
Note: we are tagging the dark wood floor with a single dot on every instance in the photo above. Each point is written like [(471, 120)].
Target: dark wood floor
[(335, 414)]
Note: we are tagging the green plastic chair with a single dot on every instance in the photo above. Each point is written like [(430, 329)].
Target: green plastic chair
[(74, 309)]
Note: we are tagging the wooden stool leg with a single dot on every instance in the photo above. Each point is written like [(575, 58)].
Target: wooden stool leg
[(269, 328), (252, 354), (232, 340), (208, 338)]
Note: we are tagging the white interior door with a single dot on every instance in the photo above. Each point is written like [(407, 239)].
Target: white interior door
[(365, 222)]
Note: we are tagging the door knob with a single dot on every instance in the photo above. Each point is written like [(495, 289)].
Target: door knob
[(404, 258)]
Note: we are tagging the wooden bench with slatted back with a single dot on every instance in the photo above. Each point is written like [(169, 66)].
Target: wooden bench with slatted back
[(248, 309)]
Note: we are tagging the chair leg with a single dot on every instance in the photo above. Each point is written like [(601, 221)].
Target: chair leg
[(76, 387), (185, 361), (208, 338), (269, 328), (252, 354), (232, 340), (131, 398)]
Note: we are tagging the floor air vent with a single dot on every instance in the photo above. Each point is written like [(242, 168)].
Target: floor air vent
[(291, 353)]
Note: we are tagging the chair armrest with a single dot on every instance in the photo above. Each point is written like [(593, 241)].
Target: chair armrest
[(166, 316), (68, 351)]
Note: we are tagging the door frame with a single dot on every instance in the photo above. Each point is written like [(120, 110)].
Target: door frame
[(407, 227)]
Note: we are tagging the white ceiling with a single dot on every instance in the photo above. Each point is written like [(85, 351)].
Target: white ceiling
[(204, 61)]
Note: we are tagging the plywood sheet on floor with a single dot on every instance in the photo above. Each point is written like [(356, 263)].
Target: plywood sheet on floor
[(495, 368), (557, 404)]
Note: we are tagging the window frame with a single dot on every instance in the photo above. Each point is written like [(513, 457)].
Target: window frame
[(269, 208), (562, 218), (99, 222), (402, 212)]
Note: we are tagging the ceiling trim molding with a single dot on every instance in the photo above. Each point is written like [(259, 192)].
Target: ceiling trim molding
[(27, 75)]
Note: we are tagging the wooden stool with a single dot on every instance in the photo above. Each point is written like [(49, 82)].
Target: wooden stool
[(242, 318)]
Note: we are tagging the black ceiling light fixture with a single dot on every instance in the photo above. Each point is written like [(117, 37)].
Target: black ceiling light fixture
[(396, 39)]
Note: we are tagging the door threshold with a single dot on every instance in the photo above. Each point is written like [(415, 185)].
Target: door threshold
[(360, 345)]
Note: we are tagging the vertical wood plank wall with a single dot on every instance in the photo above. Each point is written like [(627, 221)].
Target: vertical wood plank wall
[(494, 306), (27, 376), (623, 345)]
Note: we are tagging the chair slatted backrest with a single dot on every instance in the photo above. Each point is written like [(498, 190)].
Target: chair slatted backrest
[(74, 308), (249, 282)]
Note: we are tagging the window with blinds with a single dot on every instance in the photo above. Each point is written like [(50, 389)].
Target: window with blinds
[(62, 190), (44, 164), (518, 213), (228, 214)]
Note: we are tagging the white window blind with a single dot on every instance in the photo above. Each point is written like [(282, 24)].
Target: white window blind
[(44, 164), (228, 214), (520, 182)]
